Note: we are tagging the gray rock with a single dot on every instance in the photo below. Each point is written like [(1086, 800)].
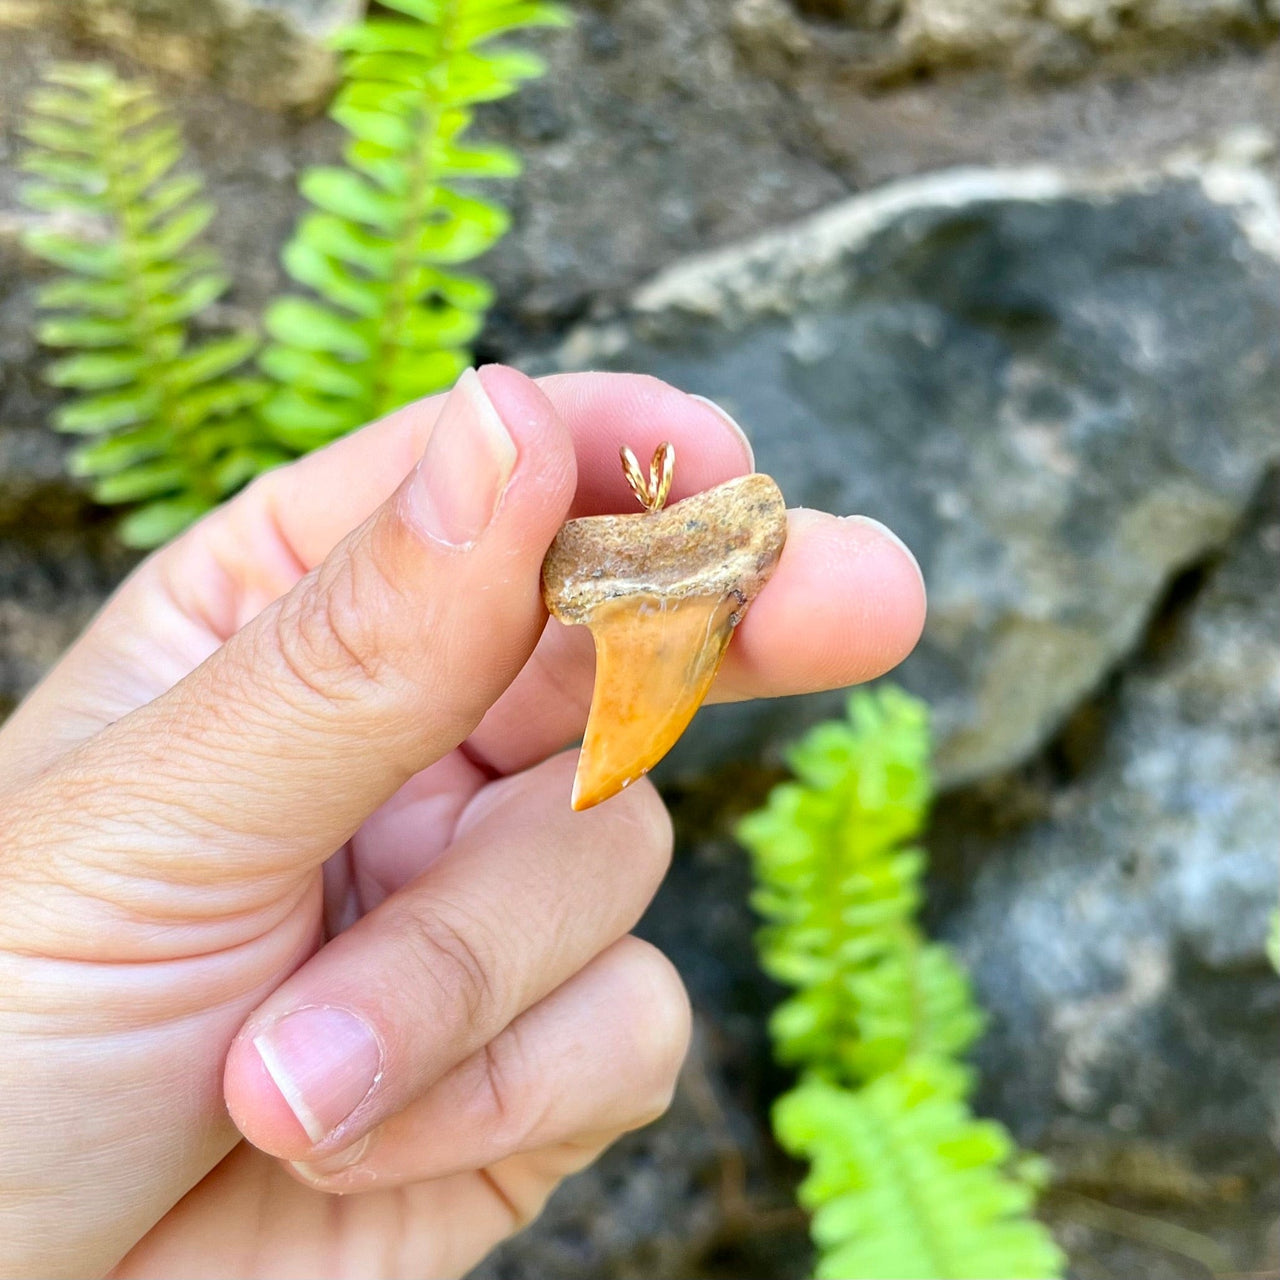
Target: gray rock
[(51, 584), (1118, 942), (1059, 35), (1059, 391), (884, 41), (271, 52), (34, 488)]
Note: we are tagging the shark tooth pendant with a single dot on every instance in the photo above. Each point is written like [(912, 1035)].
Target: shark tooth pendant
[(661, 592)]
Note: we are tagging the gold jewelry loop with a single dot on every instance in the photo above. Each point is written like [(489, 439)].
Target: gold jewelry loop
[(635, 477), (651, 492), (661, 470)]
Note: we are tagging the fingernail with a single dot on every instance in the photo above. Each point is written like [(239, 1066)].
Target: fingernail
[(465, 468), (731, 423), (885, 532), (338, 1163), (324, 1061)]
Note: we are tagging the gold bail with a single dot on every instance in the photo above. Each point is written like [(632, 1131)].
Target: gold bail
[(651, 492)]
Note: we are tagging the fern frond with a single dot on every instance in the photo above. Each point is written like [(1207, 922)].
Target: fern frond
[(391, 319), (839, 885), (172, 419), (904, 1182)]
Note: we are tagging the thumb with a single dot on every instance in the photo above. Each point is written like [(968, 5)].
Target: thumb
[(377, 663)]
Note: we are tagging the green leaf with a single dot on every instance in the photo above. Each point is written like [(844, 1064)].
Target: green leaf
[(303, 422), (424, 10), (431, 287), (137, 112), (395, 71), (208, 361), (333, 282), (386, 167), (315, 372), (240, 466), (168, 194), (95, 370), (468, 292), (101, 260), (106, 412), (462, 228), (476, 162), (69, 170), (355, 245), (86, 331), (398, 100), (380, 35), (441, 326), (167, 240), (74, 108), (213, 400), (104, 297), (47, 197), (58, 136), (299, 322), (157, 522), (383, 128), (413, 374), (148, 480), (341, 192), (117, 452), (513, 65), (172, 306), (487, 77), (485, 24), (91, 77), (152, 159)]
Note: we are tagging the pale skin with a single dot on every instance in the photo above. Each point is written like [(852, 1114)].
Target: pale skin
[(292, 902)]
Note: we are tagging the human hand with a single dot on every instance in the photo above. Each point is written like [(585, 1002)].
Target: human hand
[(446, 1015)]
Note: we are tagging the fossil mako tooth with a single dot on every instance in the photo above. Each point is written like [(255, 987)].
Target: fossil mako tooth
[(661, 592)]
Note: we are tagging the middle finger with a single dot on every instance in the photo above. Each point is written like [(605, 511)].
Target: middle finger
[(600, 1055), (528, 893)]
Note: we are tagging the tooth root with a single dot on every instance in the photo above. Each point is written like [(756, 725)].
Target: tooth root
[(655, 661)]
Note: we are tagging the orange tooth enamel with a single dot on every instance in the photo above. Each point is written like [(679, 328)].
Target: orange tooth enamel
[(655, 661), (661, 593)]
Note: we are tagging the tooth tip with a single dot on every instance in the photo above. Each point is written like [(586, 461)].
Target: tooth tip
[(593, 785), (588, 795)]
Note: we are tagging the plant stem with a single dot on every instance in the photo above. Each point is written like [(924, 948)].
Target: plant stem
[(421, 189)]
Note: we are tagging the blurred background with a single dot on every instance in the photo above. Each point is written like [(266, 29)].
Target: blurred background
[(1004, 274)]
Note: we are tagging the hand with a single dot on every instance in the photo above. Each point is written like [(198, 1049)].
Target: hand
[(447, 1015)]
